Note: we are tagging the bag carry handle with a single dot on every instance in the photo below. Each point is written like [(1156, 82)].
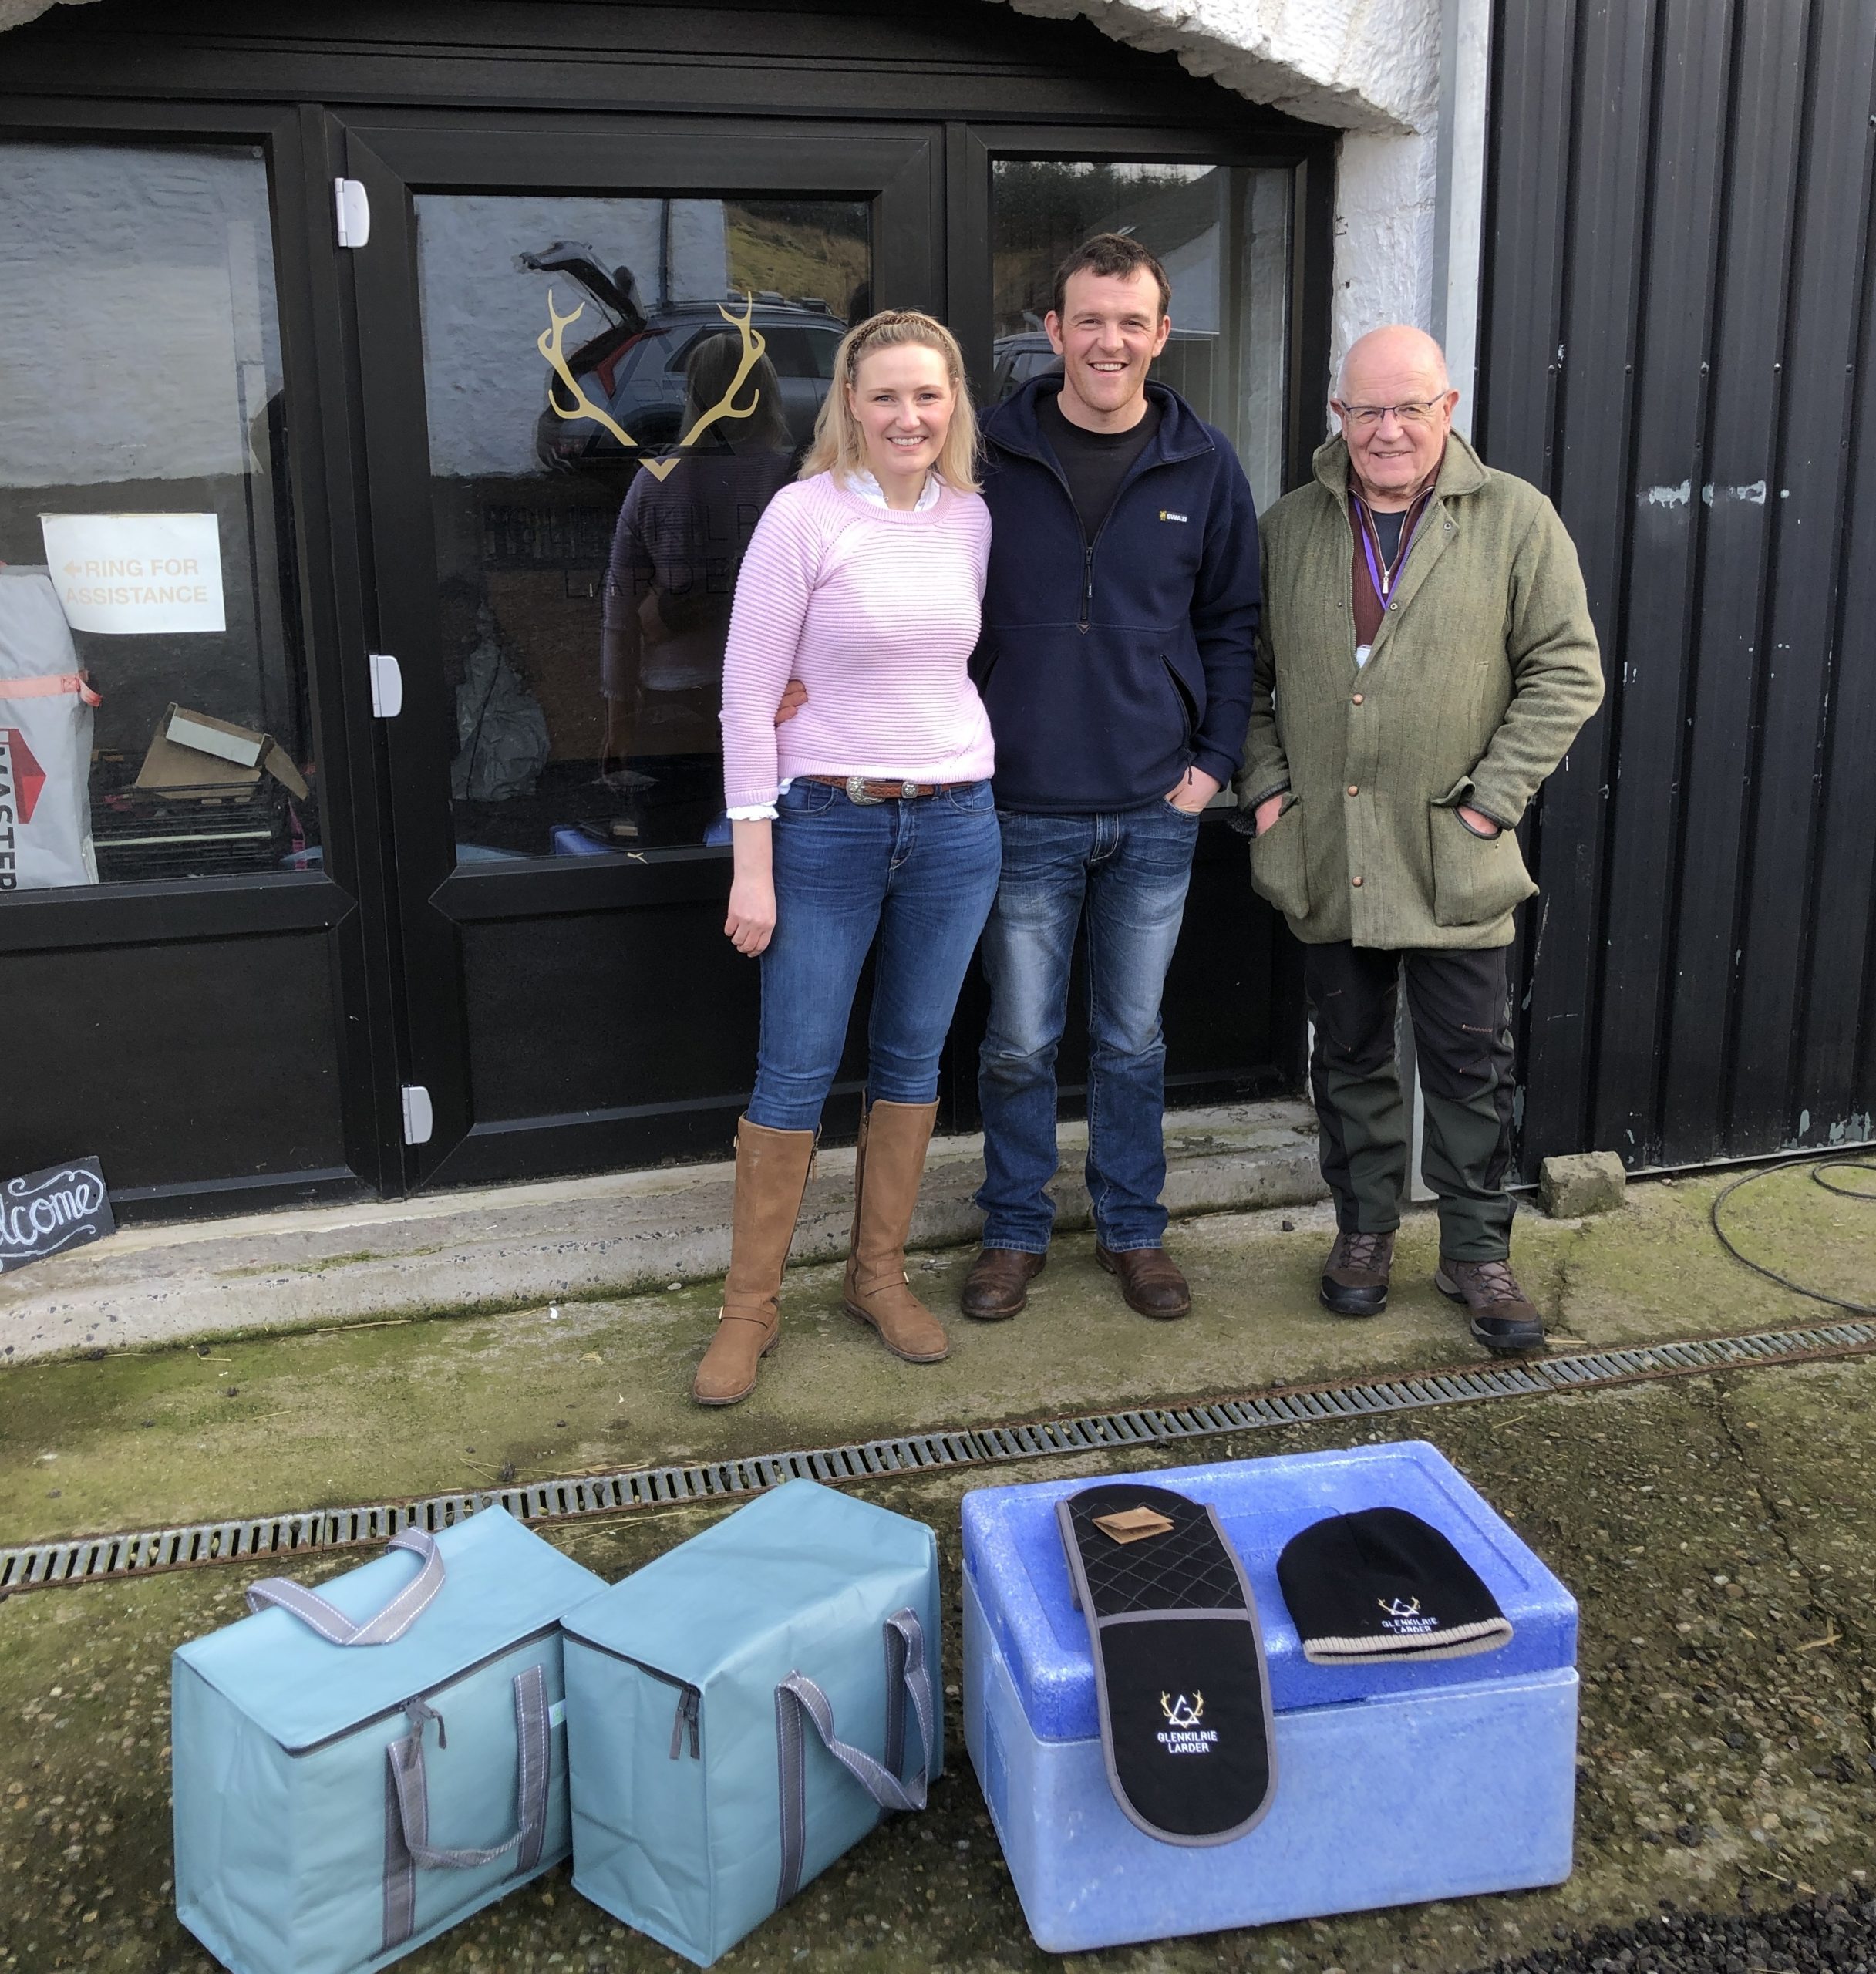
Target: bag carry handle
[(798, 1698), (331, 1623), (407, 1845)]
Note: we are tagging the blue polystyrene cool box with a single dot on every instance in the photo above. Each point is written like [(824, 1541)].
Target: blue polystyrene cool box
[(1395, 1783)]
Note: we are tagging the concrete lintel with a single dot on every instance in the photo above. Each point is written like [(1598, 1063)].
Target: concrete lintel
[(1353, 65)]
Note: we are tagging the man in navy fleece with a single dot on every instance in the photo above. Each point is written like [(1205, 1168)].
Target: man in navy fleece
[(1120, 620)]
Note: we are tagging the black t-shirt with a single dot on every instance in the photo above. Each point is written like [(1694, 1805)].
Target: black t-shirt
[(1096, 462)]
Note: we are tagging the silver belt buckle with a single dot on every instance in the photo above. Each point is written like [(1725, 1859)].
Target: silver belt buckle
[(857, 791)]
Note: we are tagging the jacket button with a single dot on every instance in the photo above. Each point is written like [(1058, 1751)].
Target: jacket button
[(1354, 880), (1356, 700), (1353, 790)]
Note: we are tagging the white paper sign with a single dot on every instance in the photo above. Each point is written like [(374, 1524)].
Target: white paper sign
[(129, 574)]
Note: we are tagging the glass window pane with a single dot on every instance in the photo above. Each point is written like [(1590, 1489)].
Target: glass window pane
[(617, 387), (145, 522), (1221, 233)]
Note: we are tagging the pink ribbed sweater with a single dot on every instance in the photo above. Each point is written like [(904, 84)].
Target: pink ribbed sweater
[(875, 613)]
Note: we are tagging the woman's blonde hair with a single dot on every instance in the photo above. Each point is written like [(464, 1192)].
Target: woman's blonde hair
[(839, 445)]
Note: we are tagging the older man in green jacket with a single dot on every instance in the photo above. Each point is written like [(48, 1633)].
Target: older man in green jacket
[(1426, 660)]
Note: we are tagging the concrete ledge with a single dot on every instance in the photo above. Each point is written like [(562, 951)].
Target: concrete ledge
[(517, 1247)]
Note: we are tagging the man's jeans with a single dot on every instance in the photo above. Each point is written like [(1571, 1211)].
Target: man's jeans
[(920, 876), (1130, 871)]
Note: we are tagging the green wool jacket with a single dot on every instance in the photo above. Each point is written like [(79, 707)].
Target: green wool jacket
[(1484, 670)]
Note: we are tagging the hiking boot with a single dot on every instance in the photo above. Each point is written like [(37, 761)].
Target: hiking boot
[(772, 1174), (998, 1286), (1355, 1276), (886, 1169), (1151, 1281), (1502, 1317)]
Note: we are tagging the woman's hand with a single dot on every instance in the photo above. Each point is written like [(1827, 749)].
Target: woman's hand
[(751, 923)]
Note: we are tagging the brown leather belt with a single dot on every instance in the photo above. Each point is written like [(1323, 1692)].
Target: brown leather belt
[(861, 788)]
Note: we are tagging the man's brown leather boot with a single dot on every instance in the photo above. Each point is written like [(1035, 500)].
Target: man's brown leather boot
[(1151, 1284), (1501, 1315), (772, 1174), (998, 1286), (886, 1169), (1355, 1276)]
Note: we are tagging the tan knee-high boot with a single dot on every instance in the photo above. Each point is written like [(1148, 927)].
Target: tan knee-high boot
[(772, 1174), (887, 1170)]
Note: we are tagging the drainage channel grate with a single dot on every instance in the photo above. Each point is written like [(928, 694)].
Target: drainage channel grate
[(91, 1558)]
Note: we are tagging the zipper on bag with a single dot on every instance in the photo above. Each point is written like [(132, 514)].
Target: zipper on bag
[(689, 1714), (689, 1707), (429, 1692)]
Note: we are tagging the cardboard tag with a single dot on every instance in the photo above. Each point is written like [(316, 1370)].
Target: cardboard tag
[(1132, 1525), (46, 1212)]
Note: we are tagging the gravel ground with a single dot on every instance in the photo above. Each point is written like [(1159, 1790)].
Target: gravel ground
[(1719, 1532), (1836, 1934)]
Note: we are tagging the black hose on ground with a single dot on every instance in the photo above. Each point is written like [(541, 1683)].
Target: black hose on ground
[(1817, 1172)]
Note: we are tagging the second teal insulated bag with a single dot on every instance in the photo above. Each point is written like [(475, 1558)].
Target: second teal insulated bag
[(357, 1769), (741, 1711)]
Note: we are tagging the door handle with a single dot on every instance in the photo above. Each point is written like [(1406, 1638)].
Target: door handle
[(387, 686)]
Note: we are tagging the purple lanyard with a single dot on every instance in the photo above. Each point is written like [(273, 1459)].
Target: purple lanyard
[(1379, 573)]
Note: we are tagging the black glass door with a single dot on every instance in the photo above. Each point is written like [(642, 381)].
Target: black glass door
[(588, 358)]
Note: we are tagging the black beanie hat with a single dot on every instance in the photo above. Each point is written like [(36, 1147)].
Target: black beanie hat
[(1382, 1584)]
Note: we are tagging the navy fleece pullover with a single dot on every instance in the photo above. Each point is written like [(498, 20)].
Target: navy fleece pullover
[(1108, 667)]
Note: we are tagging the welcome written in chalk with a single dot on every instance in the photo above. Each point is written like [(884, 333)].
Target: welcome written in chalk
[(45, 1213)]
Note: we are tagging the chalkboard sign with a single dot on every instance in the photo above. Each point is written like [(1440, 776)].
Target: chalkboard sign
[(46, 1212)]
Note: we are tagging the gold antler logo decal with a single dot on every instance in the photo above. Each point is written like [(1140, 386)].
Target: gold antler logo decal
[(550, 339)]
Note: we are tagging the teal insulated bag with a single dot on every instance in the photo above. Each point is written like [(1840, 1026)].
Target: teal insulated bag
[(357, 1769), (741, 1711)]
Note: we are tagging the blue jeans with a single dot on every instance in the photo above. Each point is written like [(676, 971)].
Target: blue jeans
[(1128, 872), (917, 875)]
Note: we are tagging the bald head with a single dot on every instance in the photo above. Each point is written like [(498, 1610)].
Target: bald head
[(1395, 404), (1390, 364)]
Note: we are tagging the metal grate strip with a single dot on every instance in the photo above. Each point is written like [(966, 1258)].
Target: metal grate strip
[(145, 1552)]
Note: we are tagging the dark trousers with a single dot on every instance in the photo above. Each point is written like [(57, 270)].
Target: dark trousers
[(1460, 1005)]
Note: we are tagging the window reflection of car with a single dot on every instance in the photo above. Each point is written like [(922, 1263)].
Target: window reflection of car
[(634, 367), (1027, 353)]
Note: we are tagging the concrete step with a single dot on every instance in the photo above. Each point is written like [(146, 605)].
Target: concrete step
[(517, 1247)]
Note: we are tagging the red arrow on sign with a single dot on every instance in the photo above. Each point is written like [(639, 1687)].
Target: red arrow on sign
[(28, 777)]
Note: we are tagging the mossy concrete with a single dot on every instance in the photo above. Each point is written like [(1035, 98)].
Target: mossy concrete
[(396, 1408), (1719, 1533)]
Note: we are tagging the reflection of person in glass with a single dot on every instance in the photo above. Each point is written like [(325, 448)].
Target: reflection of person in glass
[(865, 823), (666, 608)]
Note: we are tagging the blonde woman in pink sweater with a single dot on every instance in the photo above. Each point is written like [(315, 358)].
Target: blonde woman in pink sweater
[(863, 824)]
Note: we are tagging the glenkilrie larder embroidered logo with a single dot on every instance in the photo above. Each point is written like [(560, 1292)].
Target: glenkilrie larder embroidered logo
[(1404, 1617), (1182, 1734)]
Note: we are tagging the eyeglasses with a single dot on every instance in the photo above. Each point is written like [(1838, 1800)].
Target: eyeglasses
[(1417, 411)]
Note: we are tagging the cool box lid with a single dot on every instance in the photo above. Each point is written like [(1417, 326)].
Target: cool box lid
[(1013, 1560), (501, 1584)]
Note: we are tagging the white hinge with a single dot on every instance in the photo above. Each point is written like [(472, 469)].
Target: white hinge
[(387, 686), (420, 1119), (352, 210)]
